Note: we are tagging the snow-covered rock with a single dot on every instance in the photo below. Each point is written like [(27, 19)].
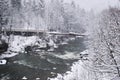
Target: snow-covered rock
[(24, 78), (78, 72), (82, 70), (8, 55), (37, 78), (17, 45), (3, 62), (19, 42)]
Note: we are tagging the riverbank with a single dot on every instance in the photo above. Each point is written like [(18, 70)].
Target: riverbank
[(33, 65), (19, 44)]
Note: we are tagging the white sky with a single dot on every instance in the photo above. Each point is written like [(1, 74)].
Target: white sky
[(96, 5)]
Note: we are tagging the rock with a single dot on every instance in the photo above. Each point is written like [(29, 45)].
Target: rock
[(52, 73), (3, 62), (24, 78), (3, 46), (45, 48), (28, 49), (54, 68)]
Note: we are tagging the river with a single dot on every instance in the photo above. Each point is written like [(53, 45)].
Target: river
[(44, 64)]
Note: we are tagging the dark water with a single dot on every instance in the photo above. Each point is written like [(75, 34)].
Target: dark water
[(43, 64)]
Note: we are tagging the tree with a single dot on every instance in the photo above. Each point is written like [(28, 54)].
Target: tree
[(53, 15), (106, 40), (27, 14), (16, 4), (4, 13)]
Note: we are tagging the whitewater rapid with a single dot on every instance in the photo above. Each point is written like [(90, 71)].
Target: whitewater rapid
[(78, 72), (82, 70)]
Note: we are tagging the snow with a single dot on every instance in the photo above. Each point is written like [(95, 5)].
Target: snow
[(51, 43), (8, 55), (3, 62), (54, 68), (54, 32), (24, 78), (42, 45), (51, 49), (86, 33), (68, 55), (85, 52), (72, 38), (78, 72), (0, 42), (63, 43), (19, 42), (81, 70), (37, 78), (17, 45), (24, 63)]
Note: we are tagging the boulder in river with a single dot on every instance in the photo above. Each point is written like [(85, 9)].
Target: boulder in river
[(3, 46), (3, 62)]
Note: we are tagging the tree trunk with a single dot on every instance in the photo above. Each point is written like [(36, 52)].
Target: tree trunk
[(115, 62)]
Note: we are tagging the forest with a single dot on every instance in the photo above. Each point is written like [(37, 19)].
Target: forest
[(94, 56)]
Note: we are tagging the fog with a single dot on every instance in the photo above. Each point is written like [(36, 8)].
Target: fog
[(96, 5)]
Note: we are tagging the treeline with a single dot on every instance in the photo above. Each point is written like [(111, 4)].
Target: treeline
[(52, 15)]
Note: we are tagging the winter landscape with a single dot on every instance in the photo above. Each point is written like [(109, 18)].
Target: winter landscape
[(59, 39)]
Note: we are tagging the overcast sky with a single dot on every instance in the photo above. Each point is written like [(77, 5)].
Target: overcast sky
[(96, 5)]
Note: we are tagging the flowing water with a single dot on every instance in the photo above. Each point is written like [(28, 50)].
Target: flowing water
[(43, 64)]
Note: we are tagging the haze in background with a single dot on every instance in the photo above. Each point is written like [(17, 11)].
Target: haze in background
[(96, 5)]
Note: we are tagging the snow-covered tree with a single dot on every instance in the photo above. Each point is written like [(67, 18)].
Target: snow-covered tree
[(105, 43), (63, 17), (54, 15), (73, 18), (4, 13), (27, 14)]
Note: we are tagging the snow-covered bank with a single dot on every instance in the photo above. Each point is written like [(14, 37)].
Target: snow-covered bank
[(19, 42), (82, 70), (17, 45), (8, 55), (78, 72)]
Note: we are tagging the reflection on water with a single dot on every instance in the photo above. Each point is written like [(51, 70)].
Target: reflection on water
[(43, 64)]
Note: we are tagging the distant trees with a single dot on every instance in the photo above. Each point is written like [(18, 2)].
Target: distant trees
[(53, 15), (73, 18), (63, 17), (4, 13), (27, 14), (106, 42)]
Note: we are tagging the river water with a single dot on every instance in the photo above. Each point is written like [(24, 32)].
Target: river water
[(44, 64)]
